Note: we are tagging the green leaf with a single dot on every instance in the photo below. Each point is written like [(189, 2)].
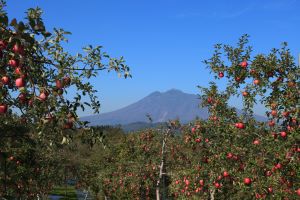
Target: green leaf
[(14, 22)]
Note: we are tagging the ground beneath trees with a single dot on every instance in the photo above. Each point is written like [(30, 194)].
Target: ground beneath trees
[(70, 193)]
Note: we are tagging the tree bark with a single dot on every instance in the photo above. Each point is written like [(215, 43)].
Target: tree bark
[(212, 194), (163, 149)]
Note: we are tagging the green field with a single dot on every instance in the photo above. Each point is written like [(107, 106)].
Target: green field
[(68, 192)]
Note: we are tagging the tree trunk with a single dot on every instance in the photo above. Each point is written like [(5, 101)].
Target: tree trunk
[(161, 168), (212, 194)]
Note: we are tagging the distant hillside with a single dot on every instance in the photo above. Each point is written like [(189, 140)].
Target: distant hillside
[(142, 125), (160, 106)]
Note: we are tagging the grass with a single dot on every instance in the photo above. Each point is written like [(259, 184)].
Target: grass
[(68, 192)]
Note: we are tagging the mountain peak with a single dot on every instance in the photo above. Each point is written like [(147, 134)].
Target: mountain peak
[(156, 93), (174, 91), (168, 92), (161, 106)]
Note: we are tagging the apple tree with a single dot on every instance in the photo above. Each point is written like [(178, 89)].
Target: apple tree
[(42, 87), (235, 156)]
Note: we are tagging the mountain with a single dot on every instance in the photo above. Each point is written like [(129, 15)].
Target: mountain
[(160, 106)]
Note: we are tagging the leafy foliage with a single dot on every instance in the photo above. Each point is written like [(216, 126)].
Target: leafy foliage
[(38, 110)]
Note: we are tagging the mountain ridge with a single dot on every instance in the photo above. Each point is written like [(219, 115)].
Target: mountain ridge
[(161, 106)]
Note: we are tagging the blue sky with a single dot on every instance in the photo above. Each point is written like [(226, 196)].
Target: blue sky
[(165, 41)]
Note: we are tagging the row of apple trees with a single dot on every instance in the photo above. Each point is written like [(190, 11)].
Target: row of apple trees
[(228, 156)]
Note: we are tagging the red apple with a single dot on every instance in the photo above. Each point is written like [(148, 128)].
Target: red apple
[(225, 174), (18, 49), (245, 93), (229, 155), (298, 191), (3, 108), (5, 80), (256, 82), (193, 130), (221, 74), (244, 64), (201, 182), (214, 118), (271, 123), (268, 173), (18, 71), (278, 166), (187, 182), (289, 128), (20, 82), (294, 120), (285, 113), (13, 63), (240, 125), (59, 84), (283, 134), (247, 181), (217, 185), (43, 96), (209, 100), (256, 142), (274, 113), (198, 140)]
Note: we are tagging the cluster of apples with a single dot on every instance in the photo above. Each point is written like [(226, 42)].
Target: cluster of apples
[(188, 187), (11, 158), (20, 75), (238, 79), (5, 79)]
